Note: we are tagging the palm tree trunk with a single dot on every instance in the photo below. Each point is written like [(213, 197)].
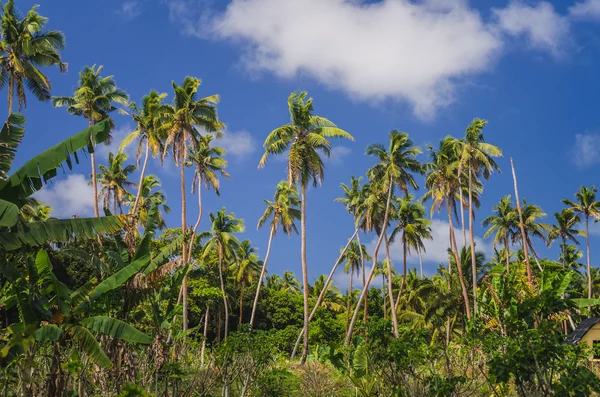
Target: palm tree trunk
[(462, 211), (523, 236), (458, 264), (589, 262), (241, 302), (364, 278), (94, 176), (323, 292), (199, 218), (471, 234), (390, 285), (183, 230), (403, 278), (142, 174), (205, 333), (420, 261), (11, 94), (262, 275), (507, 253), (372, 272), (114, 203), (349, 300), (383, 286), (220, 253), (304, 275)]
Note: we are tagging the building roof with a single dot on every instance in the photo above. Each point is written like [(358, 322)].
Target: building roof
[(581, 330)]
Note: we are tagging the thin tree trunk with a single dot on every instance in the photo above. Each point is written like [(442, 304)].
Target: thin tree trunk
[(462, 211), (262, 275), (420, 261), (589, 262), (523, 236), (364, 278), (11, 94), (403, 278), (472, 236), (241, 303), (114, 203), (205, 333), (507, 253), (223, 291), (323, 291), (390, 285), (383, 291), (94, 176), (142, 174), (458, 264), (349, 300), (183, 230), (304, 275), (372, 272)]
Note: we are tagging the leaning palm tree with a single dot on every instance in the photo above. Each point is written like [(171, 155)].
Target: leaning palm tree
[(355, 257), (586, 205), (283, 212), (245, 268), (222, 240), (24, 49), (94, 99), (148, 131), (114, 179), (306, 137), (565, 228), (502, 225), (477, 157), (182, 120)]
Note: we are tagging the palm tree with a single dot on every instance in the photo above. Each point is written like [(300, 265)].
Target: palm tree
[(333, 298), (24, 48), (94, 99), (245, 268), (445, 189), (413, 227), (290, 283), (283, 212), (306, 137), (35, 211), (151, 196), (149, 131), (355, 257), (114, 179), (565, 229), (502, 225), (477, 157), (532, 227), (395, 169), (181, 121), (221, 239), (586, 205)]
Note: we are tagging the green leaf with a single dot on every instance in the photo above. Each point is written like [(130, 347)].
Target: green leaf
[(48, 333), (89, 344), (164, 254), (9, 213), (11, 136), (584, 302), (116, 329)]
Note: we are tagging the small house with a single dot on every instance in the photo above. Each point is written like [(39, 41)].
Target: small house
[(588, 331)]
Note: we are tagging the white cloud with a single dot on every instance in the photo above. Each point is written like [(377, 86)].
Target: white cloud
[(588, 9), (118, 134), (130, 9), (586, 150), (338, 154), (239, 144), (544, 28), (68, 197), (414, 52)]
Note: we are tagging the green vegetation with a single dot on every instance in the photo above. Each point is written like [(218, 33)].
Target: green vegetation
[(121, 305)]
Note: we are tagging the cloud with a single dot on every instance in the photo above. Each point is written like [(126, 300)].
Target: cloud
[(118, 135), (588, 9), (130, 9), (240, 144), (68, 197), (415, 52), (586, 150), (543, 27), (338, 154)]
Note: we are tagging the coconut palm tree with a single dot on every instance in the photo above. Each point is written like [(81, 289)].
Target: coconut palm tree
[(94, 99), (532, 227), (151, 196), (333, 298), (477, 158), (502, 225), (114, 179), (586, 204), (444, 190), (307, 138), (355, 257), (25, 48), (245, 269), (565, 228), (182, 120), (148, 131), (222, 240), (35, 211), (283, 212), (289, 282)]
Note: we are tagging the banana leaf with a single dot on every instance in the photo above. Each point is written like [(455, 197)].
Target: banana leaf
[(116, 329), (11, 136)]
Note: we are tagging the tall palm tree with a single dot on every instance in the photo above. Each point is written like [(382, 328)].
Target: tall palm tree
[(355, 257), (94, 99), (586, 204), (306, 137), (283, 212), (396, 167), (565, 228), (222, 240), (414, 228), (182, 120), (444, 190), (502, 225), (148, 130), (24, 49), (477, 157), (114, 179), (532, 227), (151, 196), (245, 268)]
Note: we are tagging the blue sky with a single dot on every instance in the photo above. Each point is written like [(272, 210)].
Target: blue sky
[(426, 67)]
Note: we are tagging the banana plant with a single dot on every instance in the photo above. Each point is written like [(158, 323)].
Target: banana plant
[(16, 188)]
